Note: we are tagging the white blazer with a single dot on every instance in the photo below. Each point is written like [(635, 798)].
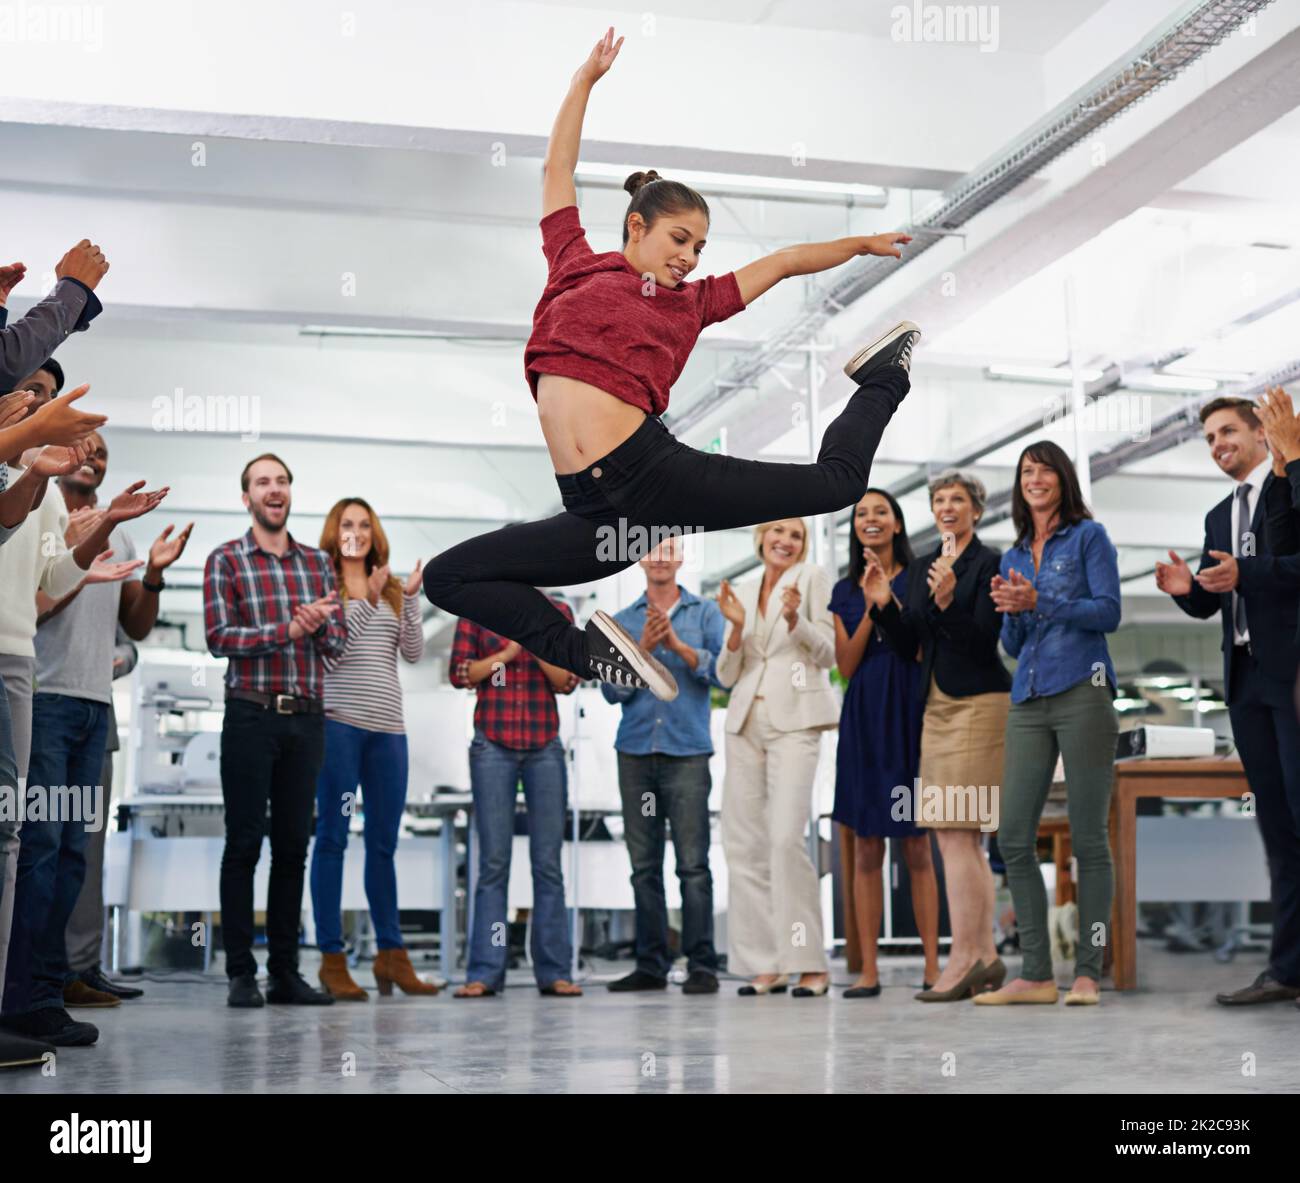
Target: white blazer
[(788, 667)]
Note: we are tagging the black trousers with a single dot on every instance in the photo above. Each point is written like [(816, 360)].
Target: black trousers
[(272, 759), (1267, 734), (616, 509)]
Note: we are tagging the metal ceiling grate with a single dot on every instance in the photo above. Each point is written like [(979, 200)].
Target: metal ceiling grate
[(1162, 56)]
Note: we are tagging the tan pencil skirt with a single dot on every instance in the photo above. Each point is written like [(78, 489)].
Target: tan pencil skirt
[(962, 746)]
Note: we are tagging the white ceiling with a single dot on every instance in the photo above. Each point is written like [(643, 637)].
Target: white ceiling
[(1024, 26)]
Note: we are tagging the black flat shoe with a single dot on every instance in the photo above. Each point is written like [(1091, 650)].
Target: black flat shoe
[(752, 990), (862, 991), (96, 979), (637, 980), (812, 991), (700, 981), (52, 1025), (294, 990), (243, 992)]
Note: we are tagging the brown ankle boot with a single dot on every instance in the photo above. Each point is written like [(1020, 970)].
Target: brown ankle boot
[(336, 980), (393, 966)]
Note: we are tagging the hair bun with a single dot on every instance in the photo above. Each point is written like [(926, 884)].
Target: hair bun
[(639, 180)]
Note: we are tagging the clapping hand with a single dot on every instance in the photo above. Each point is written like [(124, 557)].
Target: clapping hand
[(1223, 576), (414, 580), (729, 604), (875, 583), (308, 618), (376, 582), (790, 601), (102, 571), (14, 407), (166, 550), (1175, 577), (1016, 594), (942, 581), (131, 503)]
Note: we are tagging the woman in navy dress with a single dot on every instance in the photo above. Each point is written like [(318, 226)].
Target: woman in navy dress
[(879, 741)]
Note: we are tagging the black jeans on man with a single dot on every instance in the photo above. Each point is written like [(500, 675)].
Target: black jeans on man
[(1267, 734), (658, 789), (266, 758), (651, 480)]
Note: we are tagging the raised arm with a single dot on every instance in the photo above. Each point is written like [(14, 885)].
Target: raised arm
[(566, 135), (806, 258)]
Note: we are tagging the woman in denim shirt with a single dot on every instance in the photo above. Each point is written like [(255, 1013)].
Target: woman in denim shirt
[(1058, 590)]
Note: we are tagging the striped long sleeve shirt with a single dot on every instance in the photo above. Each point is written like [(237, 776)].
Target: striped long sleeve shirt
[(361, 684), (249, 596)]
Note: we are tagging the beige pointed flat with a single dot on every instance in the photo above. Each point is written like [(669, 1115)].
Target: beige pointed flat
[(1083, 998), (1041, 994)]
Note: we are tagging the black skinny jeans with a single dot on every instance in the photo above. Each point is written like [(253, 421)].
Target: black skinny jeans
[(651, 480), (266, 758)]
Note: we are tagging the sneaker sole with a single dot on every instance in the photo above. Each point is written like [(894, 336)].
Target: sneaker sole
[(652, 672), (864, 355)]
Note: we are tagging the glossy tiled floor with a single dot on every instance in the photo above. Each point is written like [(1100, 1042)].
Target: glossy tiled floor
[(1168, 1037)]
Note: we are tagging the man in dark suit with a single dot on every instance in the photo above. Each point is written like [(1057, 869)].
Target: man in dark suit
[(1256, 592)]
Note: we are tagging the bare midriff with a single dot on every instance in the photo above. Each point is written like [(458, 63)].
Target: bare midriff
[(581, 422)]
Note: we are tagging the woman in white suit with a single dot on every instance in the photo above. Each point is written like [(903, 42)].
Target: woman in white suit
[(776, 659)]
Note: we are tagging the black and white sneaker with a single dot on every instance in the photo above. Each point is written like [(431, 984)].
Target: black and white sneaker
[(892, 349), (617, 658)]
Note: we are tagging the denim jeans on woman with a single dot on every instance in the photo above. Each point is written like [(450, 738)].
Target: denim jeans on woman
[(377, 762), (495, 772)]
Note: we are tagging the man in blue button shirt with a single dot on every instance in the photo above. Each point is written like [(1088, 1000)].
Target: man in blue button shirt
[(663, 773)]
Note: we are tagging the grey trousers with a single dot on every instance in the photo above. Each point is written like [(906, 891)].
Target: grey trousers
[(15, 750), (84, 935)]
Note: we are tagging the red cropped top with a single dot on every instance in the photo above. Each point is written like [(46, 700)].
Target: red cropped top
[(598, 321)]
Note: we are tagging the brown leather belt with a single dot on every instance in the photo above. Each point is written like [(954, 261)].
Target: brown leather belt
[(282, 704)]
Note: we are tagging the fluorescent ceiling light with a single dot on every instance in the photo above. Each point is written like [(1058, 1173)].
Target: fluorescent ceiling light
[(413, 334), (1052, 374), (743, 185), (1171, 383)]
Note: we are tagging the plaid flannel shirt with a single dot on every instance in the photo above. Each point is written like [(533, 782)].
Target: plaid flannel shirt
[(248, 600), (516, 704)]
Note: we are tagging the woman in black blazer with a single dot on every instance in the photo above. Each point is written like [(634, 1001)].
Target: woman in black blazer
[(949, 624)]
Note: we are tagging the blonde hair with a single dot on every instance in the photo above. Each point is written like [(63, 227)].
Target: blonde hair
[(763, 527)]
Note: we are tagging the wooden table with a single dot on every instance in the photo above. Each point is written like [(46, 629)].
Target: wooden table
[(1211, 777)]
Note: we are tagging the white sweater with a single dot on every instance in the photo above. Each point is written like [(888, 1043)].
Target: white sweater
[(35, 556)]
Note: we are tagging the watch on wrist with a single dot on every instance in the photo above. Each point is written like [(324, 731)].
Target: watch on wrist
[(153, 587)]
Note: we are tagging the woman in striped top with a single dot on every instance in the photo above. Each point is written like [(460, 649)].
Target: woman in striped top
[(365, 744)]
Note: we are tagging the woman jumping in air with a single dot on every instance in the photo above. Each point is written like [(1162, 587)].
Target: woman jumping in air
[(611, 334)]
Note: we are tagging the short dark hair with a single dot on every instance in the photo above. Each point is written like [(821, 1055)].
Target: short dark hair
[(55, 371), (243, 476), (1243, 406), (654, 198), (1073, 507)]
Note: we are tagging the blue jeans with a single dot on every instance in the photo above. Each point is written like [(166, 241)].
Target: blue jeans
[(494, 774), (673, 789), (68, 740), (377, 761)]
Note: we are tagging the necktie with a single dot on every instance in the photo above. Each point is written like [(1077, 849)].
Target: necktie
[(1238, 534)]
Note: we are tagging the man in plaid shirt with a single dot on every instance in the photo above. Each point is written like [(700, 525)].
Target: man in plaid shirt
[(270, 605), (516, 737)]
